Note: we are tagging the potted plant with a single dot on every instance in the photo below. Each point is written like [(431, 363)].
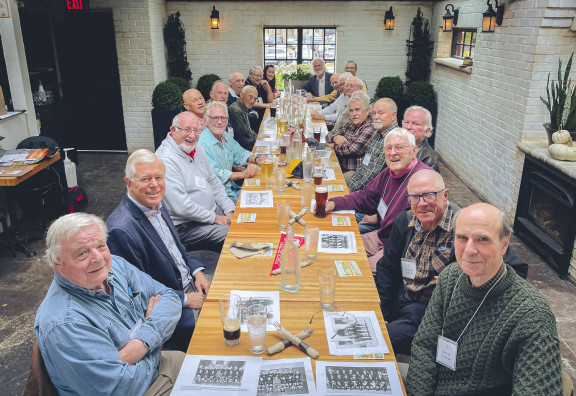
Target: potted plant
[(182, 83), (422, 93), (561, 102), (166, 103), (204, 85), (298, 75), (390, 87)]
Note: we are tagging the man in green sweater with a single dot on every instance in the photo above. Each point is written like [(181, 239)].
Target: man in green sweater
[(486, 331)]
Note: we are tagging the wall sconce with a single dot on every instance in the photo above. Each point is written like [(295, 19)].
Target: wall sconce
[(449, 19), (490, 18), (215, 18), (389, 19)]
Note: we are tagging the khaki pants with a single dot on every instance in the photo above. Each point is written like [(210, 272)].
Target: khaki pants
[(167, 373)]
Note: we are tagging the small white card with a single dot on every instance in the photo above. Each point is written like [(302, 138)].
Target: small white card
[(252, 182), (246, 217), (408, 268), (347, 268)]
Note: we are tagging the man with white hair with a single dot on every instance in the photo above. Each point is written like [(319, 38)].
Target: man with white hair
[(195, 198), (224, 152), (353, 85), (351, 140), (386, 194), (236, 83), (418, 120), (219, 92), (319, 83), (239, 119), (265, 98), (141, 232), (330, 113), (102, 324), (328, 98)]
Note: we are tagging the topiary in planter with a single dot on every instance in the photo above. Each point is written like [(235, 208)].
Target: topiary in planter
[(390, 87), (420, 92), (182, 83), (167, 96), (205, 84)]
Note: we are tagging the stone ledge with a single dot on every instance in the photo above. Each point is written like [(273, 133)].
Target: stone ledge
[(454, 63), (539, 150)]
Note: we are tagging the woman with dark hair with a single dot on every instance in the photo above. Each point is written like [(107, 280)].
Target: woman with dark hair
[(270, 76)]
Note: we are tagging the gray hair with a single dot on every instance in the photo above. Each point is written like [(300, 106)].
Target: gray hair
[(323, 63), (401, 132), (215, 103), (216, 82), (355, 64), (428, 117), (175, 120), (506, 222), (254, 68), (360, 97), (142, 156), (345, 75), (66, 227), (247, 87), (359, 82)]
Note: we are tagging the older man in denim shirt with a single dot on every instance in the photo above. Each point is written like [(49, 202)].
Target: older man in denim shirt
[(102, 324)]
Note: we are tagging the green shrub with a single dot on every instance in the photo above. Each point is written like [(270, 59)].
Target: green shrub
[(205, 84), (181, 83), (420, 92), (167, 96), (390, 87)]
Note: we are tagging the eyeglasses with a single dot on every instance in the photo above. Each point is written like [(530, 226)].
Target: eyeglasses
[(398, 149), (258, 75), (428, 197), (217, 118), (350, 67), (148, 179), (188, 130), (345, 319)]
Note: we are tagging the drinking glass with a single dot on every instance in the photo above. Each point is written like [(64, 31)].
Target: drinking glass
[(256, 318), (321, 198), (283, 214), (280, 180), (311, 240), (318, 172), (230, 312), (327, 287), (267, 166), (306, 190)]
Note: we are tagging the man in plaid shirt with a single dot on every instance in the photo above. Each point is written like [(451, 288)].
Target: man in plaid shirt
[(351, 140)]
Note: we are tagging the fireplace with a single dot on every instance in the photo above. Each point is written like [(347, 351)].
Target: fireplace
[(546, 213)]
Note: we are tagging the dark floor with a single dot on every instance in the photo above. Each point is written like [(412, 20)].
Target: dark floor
[(24, 281)]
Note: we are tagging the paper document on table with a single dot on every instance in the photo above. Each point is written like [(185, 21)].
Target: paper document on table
[(337, 242), (270, 299), (353, 333), (347, 268), (292, 377), (328, 174), (323, 153), (217, 375), (357, 378), (256, 199)]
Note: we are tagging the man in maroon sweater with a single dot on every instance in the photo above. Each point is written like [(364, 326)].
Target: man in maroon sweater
[(386, 194)]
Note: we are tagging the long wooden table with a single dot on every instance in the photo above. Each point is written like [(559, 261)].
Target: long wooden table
[(353, 293)]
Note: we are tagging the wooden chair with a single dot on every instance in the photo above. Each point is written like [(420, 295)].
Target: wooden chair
[(6, 233), (39, 382)]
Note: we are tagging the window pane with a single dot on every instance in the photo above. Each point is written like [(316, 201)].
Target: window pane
[(280, 36), (306, 51), (280, 52), (269, 36), (269, 52), (307, 36), (460, 37), (292, 52), (318, 51), (318, 36), (330, 36), (474, 38), (329, 52), (292, 37), (459, 51)]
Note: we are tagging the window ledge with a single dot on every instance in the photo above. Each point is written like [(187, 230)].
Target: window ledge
[(11, 114), (454, 63)]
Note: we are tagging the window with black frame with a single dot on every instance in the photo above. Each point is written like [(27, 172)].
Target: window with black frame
[(463, 43), (287, 45)]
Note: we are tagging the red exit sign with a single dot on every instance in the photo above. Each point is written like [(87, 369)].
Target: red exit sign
[(78, 5)]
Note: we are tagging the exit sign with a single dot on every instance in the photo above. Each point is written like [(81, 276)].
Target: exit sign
[(77, 6)]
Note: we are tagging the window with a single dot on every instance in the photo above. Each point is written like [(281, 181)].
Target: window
[(463, 42), (286, 45)]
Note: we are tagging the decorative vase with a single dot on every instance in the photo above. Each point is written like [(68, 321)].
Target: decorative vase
[(298, 84), (549, 132)]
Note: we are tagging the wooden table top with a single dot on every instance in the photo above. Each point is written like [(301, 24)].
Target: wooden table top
[(11, 181)]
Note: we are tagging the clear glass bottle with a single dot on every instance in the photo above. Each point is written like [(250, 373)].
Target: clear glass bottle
[(290, 263)]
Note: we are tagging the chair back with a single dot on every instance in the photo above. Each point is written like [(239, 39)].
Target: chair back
[(39, 382)]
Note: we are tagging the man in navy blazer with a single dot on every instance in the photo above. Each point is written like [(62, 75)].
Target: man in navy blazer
[(319, 83), (140, 230)]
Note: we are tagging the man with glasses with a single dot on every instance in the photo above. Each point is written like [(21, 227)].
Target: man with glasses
[(265, 98), (352, 67), (141, 232), (420, 246), (239, 117), (385, 195), (228, 159), (353, 85), (195, 198), (330, 113), (195, 103)]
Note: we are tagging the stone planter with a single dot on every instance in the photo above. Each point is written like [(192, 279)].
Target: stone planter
[(161, 122), (549, 132)]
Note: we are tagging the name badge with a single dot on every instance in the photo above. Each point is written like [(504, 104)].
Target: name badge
[(366, 159), (446, 352), (408, 268), (231, 131), (200, 182), (382, 208), (259, 100)]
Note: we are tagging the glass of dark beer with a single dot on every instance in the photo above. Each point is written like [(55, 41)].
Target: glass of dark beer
[(321, 198), (230, 313), (317, 133), (318, 172)]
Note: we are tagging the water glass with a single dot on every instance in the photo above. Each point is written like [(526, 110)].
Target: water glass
[(307, 166), (327, 287), (280, 180), (306, 190), (283, 213), (257, 318), (311, 240)]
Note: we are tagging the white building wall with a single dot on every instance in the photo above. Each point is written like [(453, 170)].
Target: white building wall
[(483, 115), (237, 45)]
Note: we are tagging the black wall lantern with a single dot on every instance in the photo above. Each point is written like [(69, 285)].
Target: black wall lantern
[(389, 19), (215, 18), (449, 19), (490, 18)]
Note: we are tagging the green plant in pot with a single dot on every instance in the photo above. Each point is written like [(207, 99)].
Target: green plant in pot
[(204, 84), (390, 87), (420, 92), (297, 74), (561, 102), (166, 102)]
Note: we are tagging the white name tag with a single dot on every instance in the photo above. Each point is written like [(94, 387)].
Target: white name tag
[(408, 268), (200, 182), (260, 99), (382, 208), (446, 352), (231, 131), (366, 159)]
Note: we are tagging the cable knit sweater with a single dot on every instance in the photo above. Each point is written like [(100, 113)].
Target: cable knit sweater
[(510, 347)]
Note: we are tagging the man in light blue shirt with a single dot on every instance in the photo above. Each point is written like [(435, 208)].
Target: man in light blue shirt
[(228, 159), (102, 323)]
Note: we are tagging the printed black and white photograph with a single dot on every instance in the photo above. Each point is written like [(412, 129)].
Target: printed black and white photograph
[(270, 299), (337, 242), (328, 175), (217, 375), (380, 378), (354, 333), (323, 153), (286, 377), (256, 199)]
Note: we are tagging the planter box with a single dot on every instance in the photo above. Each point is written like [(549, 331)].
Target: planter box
[(161, 122)]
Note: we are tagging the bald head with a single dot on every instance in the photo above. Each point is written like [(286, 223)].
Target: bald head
[(194, 102), (384, 114)]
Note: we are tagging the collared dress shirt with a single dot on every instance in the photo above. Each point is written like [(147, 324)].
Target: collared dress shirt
[(352, 153), (330, 113)]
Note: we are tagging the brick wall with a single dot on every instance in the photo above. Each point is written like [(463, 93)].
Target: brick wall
[(483, 115)]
